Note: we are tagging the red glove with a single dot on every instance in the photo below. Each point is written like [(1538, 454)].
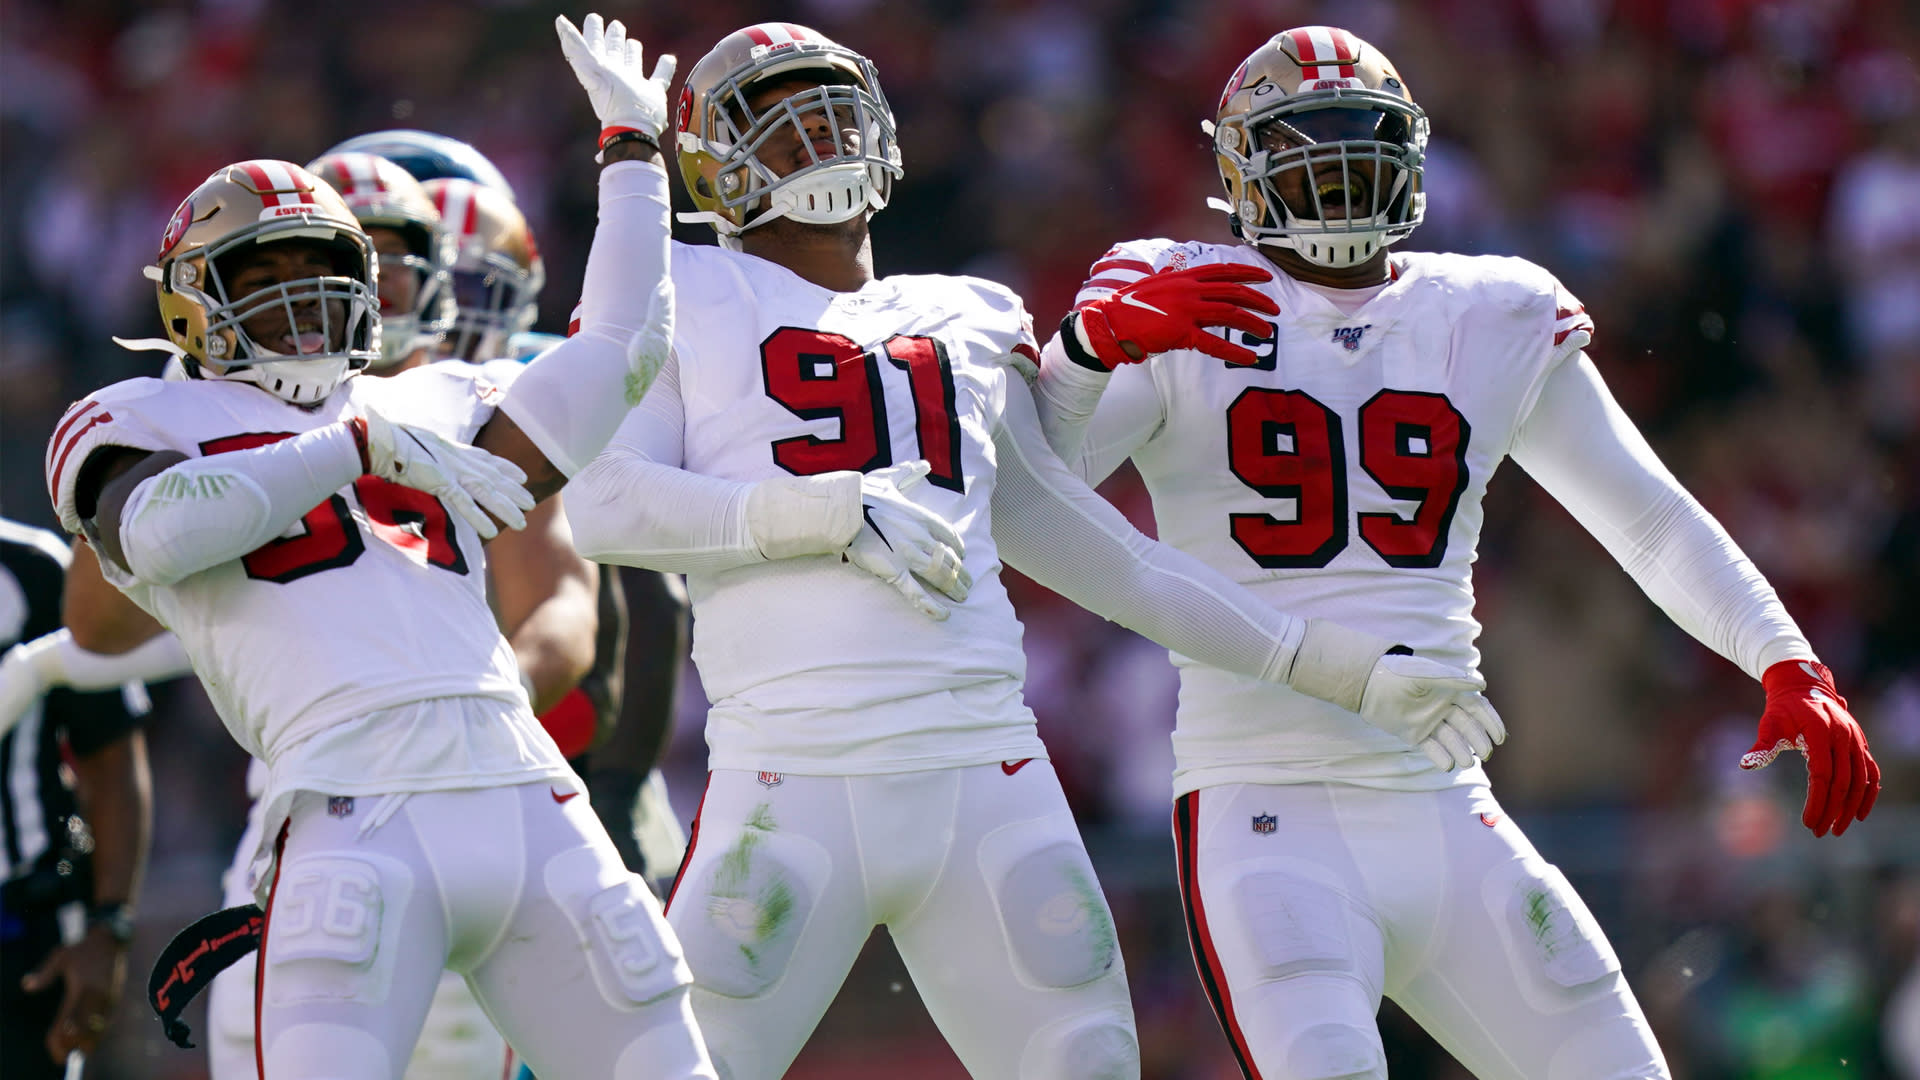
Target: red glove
[(1805, 713), (1170, 310)]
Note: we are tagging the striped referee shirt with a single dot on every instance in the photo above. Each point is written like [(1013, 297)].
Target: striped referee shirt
[(38, 814)]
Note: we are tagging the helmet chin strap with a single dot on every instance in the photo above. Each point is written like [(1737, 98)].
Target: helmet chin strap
[(297, 381), (827, 196)]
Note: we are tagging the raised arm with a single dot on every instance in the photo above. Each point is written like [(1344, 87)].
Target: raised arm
[(1584, 449), (563, 409)]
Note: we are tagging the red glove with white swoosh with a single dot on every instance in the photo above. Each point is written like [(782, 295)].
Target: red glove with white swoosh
[(1171, 310), (1804, 712)]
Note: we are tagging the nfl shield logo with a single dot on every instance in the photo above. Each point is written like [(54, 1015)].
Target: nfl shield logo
[(339, 805), (770, 779), (1264, 824), (1350, 336)]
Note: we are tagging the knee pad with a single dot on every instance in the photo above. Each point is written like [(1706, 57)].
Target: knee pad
[(1295, 925), (1092, 1046), (1337, 1051), (1051, 909), (740, 916), (630, 949), (1547, 928), (333, 933), (327, 1052)]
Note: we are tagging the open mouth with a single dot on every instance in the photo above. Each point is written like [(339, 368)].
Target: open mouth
[(1342, 198), (303, 340)]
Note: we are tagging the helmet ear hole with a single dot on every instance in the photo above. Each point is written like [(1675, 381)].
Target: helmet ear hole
[(703, 188)]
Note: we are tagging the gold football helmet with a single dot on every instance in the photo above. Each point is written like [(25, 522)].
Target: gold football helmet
[(1320, 148), (719, 137), (381, 194), (497, 272), (267, 202)]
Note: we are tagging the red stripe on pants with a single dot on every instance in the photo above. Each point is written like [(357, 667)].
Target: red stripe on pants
[(260, 957), (1213, 976)]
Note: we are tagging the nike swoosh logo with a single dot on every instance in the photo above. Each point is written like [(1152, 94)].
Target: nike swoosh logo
[(1011, 767), (559, 798), (1129, 298)]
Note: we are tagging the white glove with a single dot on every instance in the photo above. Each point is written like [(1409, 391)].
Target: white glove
[(905, 544), (21, 682), (470, 481), (608, 65), (1437, 708)]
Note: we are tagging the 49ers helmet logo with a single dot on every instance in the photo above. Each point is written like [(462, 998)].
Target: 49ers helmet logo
[(177, 226)]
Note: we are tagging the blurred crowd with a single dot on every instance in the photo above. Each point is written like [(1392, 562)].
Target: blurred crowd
[(1731, 186)]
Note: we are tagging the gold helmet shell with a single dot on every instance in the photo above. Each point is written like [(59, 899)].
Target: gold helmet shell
[(381, 194), (497, 269), (265, 202), (1320, 102), (718, 136)]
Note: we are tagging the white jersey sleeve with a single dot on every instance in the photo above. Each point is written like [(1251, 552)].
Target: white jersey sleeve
[(112, 416), (1053, 527), (1584, 449), (634, 506)]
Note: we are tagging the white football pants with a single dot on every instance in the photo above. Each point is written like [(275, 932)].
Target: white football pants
[(1307, 902), (458, 1042), (978, 873), (518, 889)]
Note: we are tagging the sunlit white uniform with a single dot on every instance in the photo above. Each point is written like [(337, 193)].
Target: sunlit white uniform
[(1324, 862), (854, 740), (420, 812)]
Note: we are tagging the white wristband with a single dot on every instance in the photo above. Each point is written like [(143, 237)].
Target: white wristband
[(1334, 662)]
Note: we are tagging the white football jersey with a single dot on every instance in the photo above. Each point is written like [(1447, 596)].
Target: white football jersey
[(1340, 477), (813, 665), (373, 601)]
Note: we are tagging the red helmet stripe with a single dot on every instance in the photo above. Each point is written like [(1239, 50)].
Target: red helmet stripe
[(798, 33), (260, 182), (1303, 41), (759, 36)]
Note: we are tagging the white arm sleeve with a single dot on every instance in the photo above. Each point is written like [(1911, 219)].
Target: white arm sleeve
[(572, 398), (634, 505), (1095, 420), (1584, 449), (60, 662), (1051, 526), (210, 510)]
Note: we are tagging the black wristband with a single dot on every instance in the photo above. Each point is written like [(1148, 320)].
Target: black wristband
[(1070, 341), (623, 135), (116, 917)]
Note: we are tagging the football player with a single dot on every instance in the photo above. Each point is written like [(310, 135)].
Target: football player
[(315, 541), (1332, 458), (839, 462)]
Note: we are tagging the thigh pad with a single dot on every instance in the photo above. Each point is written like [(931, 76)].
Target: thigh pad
[(630, 949), (740, 912), (1547, 927), (1052, 912), (335, 928), (1292, 923)]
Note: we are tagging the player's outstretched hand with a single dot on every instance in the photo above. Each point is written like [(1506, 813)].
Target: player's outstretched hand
[(473, 483), (1437, 708), (906, 545), (21, 683), (1172, 310), (1805, 713), (607, 63)]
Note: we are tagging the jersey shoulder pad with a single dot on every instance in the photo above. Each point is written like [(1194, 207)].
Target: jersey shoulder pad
[(1003, 315), (449, 397), (118, 415), (1514, 287), (1129, 261)]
